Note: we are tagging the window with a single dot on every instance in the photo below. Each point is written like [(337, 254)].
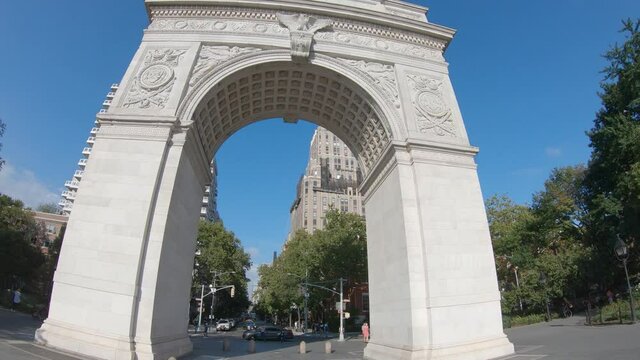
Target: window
[(365, 302), (315, 199), (51, 229), (315, 222), (324, 200)]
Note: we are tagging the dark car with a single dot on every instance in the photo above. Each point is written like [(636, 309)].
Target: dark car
[(288, 333), (265, 333), (249, 325)]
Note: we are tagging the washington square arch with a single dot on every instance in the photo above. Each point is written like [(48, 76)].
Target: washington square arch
[(372, 72)]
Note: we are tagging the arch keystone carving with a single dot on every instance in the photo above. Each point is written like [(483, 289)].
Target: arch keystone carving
[(302, 27)]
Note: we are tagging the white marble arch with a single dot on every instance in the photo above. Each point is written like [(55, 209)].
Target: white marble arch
[(373, 72)]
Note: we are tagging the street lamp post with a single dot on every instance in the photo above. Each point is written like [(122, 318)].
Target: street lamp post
[(515, 270), (622, 253), (305, 294), (341, 338), (341, 293), (213, 297), (543, 281)]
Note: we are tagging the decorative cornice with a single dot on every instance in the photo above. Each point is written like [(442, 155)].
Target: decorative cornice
[(158, 13)]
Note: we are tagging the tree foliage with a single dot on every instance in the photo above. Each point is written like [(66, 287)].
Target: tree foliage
[(51, 208), (337, 251), (220, 252), (568, 231), (20, 258), (612, 183), (543, 238)]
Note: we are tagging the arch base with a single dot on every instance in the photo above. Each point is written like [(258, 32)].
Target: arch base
[(98, 346), (488, 349)]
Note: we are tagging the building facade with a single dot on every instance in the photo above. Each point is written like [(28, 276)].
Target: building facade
[(330, 181), (209, 209), (51, 225)]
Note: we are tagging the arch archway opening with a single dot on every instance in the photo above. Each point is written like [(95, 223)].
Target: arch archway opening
[(293, 92)]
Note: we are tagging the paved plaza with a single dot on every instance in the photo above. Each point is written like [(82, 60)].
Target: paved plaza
[(559, 339)]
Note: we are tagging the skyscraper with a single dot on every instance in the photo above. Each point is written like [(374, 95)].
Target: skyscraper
[(69, 195), (331, 180)]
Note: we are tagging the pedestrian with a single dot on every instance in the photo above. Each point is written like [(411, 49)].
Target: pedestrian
[(610, 296), (17, 298), (365, 332), (325, 329), (206, 328)]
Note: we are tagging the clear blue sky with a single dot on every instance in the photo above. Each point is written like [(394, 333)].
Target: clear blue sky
[(526, 75)]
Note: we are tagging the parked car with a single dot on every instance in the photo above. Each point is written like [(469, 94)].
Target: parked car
[(266, 333), (288, 333), (249, 325), (223, 324), (232, 323)]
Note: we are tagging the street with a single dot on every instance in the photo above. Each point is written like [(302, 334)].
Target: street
[(559, 339)]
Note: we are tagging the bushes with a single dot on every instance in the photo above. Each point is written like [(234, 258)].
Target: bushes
[(513, 321), (617, 312)]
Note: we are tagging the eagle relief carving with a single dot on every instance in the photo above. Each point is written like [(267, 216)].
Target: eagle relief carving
[(302, 27)]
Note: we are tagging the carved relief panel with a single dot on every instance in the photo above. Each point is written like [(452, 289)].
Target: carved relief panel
[(151, 87), (430, 105)]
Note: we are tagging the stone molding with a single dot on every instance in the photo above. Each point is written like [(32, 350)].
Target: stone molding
[(265, 21), (141, 131), (416, 151), (433, 115), (152, 85)]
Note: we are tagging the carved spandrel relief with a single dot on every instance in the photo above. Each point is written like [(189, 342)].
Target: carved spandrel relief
[(434, 116), (212, 56), (382, 75), (302, 27), (152, 86)]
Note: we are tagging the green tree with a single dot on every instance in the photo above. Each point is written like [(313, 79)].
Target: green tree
[(20, 259), (220, 252), (51, 208), (613, 176), (338, 250)]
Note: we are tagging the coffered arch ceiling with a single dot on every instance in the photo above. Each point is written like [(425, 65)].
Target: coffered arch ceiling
[(293, 92)]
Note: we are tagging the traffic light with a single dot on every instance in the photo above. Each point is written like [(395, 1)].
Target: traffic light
[(233, 291)]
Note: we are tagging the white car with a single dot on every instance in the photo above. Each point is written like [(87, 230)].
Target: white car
[(223, 324)]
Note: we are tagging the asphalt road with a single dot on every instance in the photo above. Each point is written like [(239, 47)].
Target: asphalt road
[(560, 339)]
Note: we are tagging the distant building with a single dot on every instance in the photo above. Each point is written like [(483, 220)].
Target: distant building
[(209, 209), (69, 195), (51, 224), (331, 180)]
